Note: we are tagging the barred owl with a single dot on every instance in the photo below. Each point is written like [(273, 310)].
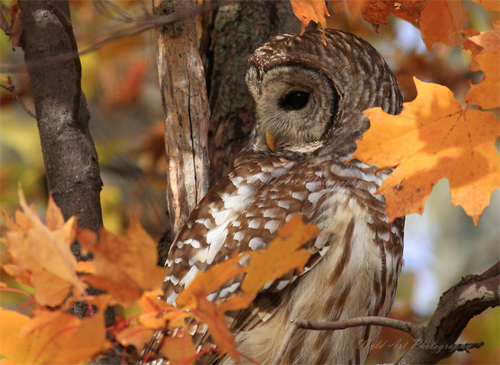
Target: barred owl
[(309, 99)]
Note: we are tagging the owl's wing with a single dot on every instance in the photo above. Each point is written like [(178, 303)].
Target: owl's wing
[(242, 212)]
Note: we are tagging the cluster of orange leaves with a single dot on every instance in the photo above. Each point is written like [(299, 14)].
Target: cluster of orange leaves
[(39, 256), (434, 137)]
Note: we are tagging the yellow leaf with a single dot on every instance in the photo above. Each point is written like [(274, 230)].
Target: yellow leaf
[(123, 266), (489, 5), (41, 255), (56, 339), (13, 347), (486, 94), (442, 21), (310, 10), (208, 313), (433, 138), (205, 283), (179, 350), (281, 256)]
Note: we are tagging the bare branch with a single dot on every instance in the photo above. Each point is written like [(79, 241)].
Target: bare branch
[(435, 341), (12, 89), (471, 296), (4, 24), (413, 329), (139, 25)]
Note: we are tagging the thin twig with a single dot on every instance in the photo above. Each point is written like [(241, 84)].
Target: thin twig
[(4, 24), (142, 24), (414, 330), (12, 89), (68, 28)]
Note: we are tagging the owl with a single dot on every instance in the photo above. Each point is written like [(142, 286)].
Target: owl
[(309, 99)]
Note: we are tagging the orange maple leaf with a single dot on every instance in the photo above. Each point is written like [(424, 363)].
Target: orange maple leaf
[(180, 349), (486, 94), (59, 338), (433, 138), (438, 21), (206, 282), (214, 318), (376, 12), (479, 43), (123, 266), (489, 5), (282, 255), (41, 254), (352, 8), (442, 21), (310, 10)]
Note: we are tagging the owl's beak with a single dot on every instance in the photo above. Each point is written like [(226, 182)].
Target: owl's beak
[(271, 141)]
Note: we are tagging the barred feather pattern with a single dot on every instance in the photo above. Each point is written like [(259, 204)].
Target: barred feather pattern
[(357, 257), (354, 265)]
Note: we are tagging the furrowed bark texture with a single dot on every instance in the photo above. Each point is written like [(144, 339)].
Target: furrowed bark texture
[(237, 30), (185, 103), (68, 149)]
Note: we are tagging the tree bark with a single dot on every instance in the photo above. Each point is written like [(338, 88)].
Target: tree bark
[(185, 103), (68, 149), (237, 30), (69, 154)]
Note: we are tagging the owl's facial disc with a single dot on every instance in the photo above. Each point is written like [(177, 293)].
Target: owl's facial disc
[(294, 107)]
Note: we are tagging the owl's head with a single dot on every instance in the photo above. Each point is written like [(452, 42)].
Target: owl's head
[(309, 96)]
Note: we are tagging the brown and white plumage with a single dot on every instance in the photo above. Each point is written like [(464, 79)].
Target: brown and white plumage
[(309, 101)]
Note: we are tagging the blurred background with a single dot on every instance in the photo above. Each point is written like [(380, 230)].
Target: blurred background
[(120, 82)]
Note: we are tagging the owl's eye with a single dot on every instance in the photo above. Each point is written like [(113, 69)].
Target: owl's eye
[(295, 100)]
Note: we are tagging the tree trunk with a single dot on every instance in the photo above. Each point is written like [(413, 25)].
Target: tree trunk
[(185, 104), (237, 30), (68, 149), (69, 154)]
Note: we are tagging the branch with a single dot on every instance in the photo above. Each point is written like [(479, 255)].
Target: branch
[(12, 89), (185, 103), (4, 24), (457, 306), (435, 341), (139, 25)]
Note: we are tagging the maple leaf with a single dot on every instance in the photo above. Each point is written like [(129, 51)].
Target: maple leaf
[(59, 338), (17, 29), (438, 21), (281, 256), (489, 5), (486, 94), (209, 281), (41, 254), (478, 43), (433, 138), (180, 349), (214, 318), (310, 10), (442, 21), (353, 8), (123, 266)]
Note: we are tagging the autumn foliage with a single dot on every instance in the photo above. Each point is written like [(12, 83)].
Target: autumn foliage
[(39, 256), (436, 136)]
